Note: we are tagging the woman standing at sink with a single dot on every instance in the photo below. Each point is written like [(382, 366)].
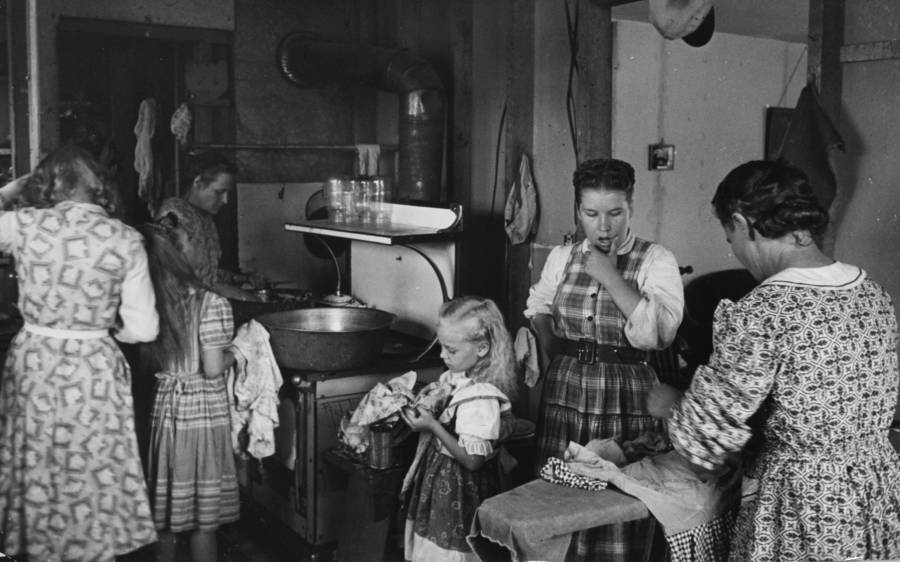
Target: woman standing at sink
[(191, 474)]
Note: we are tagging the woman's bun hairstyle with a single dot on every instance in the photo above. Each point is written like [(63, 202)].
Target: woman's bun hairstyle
[(774, 196)]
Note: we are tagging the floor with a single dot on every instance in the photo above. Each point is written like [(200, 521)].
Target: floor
[(257, 539), (252, 539)]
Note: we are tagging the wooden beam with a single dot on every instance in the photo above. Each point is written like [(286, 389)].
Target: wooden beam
[(607, 3), (826, 37), (876, 50), (594, 93), (17, 51)]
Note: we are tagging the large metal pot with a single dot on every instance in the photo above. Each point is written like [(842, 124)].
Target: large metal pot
[(326, 339)]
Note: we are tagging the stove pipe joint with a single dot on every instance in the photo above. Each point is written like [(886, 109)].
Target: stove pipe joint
[(306, 61)]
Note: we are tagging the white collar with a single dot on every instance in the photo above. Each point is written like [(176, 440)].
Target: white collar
[(837, 275)]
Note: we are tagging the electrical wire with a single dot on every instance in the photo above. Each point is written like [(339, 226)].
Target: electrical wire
[(497, 159), (572, 32)]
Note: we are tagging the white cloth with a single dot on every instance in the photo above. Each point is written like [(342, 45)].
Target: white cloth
[(520, 213), (180, 124), (367, 156), (676, 497), (253, 387), (527, 358), (676, 18), (143, 150), (653, 323)]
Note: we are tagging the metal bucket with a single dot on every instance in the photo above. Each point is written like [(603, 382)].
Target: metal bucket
[(327, 339), (381, 449)]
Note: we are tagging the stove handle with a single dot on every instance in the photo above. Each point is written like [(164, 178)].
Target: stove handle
[(305, 391)]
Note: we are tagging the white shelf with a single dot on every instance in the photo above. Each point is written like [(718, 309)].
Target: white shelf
[(409, 223)]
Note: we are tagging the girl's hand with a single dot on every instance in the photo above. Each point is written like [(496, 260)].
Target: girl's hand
[(417, 420), (601, 265), (661, 399)]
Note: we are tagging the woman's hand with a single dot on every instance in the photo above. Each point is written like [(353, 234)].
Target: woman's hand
[(418, 420), (661, 399)]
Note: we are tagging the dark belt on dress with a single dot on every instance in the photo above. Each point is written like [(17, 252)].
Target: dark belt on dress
[(590, 352)]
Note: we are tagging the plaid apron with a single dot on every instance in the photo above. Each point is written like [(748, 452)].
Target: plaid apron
[(583, 402)]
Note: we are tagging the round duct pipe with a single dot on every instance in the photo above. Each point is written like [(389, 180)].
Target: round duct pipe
[(307, 61)]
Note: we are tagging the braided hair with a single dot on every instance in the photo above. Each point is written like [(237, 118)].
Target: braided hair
[(774, 196)]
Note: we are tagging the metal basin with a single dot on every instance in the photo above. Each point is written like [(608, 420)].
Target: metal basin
[(326, 339)]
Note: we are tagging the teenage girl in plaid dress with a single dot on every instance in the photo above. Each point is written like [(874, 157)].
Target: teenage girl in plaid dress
[(598, 307), (192, 475)]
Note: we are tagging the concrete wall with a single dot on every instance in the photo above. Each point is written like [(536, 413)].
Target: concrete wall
[(868, 231), (709, 102)]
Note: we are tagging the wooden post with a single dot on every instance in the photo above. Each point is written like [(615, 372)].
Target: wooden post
[(519, 142), (43, 88), (826, 38), (594, 80)]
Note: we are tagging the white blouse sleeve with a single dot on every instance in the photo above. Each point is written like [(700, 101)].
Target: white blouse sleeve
[(653, 323), (9, 231), (541, 294), (140, 321), (477, 423)]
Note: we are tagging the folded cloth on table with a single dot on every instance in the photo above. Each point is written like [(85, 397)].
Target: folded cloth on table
[(675, 495), (556, 471)]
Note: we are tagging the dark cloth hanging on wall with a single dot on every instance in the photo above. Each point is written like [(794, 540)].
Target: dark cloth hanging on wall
[(809, 138)]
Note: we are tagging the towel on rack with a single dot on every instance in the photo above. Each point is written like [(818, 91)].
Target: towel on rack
[(253, 391), (367, 156)]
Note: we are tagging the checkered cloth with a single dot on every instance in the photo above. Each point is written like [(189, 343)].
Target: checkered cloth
[(556, 471), (704, 543)]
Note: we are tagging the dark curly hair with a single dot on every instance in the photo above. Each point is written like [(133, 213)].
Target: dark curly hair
[(604, 173), (66, 170), (207, 165), (774, 196)]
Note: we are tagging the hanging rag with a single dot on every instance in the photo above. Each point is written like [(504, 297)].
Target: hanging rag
[(367, 156), (253, 386), (808, 141), (526, 352), (180, 123), (521, 210), (143, 149)]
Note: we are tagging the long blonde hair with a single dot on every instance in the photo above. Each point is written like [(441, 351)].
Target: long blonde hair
[(486, 325)]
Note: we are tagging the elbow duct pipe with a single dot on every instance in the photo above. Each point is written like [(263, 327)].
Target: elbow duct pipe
[(306, 61)]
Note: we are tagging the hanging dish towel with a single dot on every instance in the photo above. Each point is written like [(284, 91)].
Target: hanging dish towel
[(253, 391), (367, 156), (521, 210), (527, 356), (143, 150)]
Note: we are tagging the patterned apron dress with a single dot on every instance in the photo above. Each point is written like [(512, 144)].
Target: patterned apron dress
[(582, 402)]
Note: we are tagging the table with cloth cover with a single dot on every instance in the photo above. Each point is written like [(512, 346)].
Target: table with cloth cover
[(535, 521)]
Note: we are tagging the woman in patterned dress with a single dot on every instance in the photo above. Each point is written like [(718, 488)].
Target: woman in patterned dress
[(811, 353), (71, 484), (598, 307), (192, 474)]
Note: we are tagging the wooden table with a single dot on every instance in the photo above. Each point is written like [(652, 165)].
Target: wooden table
[(535, 521)]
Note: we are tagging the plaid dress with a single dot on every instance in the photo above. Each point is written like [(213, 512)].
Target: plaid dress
[(193, 480), (583, 402)]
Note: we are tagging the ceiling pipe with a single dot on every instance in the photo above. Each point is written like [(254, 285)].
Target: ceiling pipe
[(306, 61)]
